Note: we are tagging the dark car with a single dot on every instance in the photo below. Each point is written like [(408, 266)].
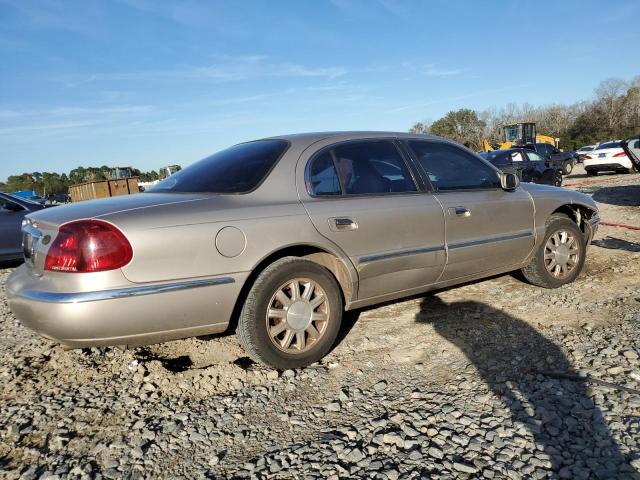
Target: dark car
[(57, 199), (530, 166), (563, 160), (12, 211)]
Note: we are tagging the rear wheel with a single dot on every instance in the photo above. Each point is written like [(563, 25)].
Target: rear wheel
[(591, 172), (292, 314), (567, 167), (560, 258)]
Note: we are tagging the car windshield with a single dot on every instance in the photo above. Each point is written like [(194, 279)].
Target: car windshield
[(609, 145), (585, 149), (238, 169)]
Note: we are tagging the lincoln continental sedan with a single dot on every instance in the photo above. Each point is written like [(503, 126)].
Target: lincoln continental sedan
[(278, 237)]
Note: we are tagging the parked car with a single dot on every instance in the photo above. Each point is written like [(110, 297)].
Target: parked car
[(530, 166), (28, 195), (608, 157), (281, 235), (56, 199), (563, 160), (12, 212), (584, 151)]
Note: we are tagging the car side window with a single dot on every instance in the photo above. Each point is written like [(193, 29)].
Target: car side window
[(451, 168), (323, 177), (543, 149), (361, 168), (517, 157), (534, 156)]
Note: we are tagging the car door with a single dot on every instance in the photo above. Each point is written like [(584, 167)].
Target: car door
[(520, 165), (11, 215), (487, 228), (537, 166), (363, 196)]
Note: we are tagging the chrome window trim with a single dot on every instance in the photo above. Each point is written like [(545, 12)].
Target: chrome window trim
[(127, 292)]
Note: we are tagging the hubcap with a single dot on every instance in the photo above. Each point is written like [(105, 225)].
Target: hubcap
[(561, 254), (297, 315)]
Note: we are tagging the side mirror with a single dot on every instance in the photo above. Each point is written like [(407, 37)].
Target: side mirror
[(509, 181)]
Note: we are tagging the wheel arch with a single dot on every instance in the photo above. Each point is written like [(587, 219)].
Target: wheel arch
[(342, 270), (580, 214)]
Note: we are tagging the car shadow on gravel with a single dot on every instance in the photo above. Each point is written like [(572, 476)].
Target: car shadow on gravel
[(536, 382), (623, 196)]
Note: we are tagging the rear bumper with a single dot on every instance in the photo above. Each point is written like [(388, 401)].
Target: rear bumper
[(132, 315), (605, 166)]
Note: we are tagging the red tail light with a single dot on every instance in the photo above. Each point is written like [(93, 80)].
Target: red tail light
[(621, 154), (587, 157), (88, 246)]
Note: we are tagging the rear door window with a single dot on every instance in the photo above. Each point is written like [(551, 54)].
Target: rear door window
[(534, 156), (360, 168)]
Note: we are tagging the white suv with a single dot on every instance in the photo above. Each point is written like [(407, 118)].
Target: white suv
[(608, 156)]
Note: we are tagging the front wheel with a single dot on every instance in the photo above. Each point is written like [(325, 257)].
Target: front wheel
[(560, 257), (292, 314), (557, 179)]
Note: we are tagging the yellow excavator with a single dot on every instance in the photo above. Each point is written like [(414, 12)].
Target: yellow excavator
[(519, 134)]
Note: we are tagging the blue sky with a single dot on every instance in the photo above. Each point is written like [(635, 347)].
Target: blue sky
[(149, 82)]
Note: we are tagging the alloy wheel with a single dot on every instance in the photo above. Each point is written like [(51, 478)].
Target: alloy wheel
[(561, 254), (297, 315)]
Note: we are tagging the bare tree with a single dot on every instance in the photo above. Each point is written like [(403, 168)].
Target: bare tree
[(610, 102)]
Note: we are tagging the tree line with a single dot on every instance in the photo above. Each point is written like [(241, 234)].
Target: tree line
[(47, 182), (613, 113)]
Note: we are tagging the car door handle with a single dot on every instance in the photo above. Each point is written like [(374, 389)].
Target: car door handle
[(342, 224), (459, 211)]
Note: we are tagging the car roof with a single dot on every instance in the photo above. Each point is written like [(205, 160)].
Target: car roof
[(313, 137)]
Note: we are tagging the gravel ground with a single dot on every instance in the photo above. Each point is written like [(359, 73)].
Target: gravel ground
[(494, 379)]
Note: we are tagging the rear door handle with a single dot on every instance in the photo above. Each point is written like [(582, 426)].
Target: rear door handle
[(342, 224), (459, 211)]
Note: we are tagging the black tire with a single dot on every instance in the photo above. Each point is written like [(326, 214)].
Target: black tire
[(557, 180), (536, 272), (591, 172), (252, 328), (567, 167)]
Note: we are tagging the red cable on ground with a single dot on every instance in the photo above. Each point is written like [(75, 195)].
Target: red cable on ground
[(621, 225)]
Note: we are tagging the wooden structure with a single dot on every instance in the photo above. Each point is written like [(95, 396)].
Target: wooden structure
[(103, 188)]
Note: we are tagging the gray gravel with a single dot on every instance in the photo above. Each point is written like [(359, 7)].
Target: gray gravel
[(494, 379)]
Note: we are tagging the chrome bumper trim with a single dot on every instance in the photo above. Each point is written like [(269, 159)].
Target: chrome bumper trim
[(82, 297)]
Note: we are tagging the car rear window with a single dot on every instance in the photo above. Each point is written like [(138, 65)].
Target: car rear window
[(238, 169), (608, 145)]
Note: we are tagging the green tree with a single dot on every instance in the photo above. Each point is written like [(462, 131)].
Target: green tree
[(420, 127), (462, 126)]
